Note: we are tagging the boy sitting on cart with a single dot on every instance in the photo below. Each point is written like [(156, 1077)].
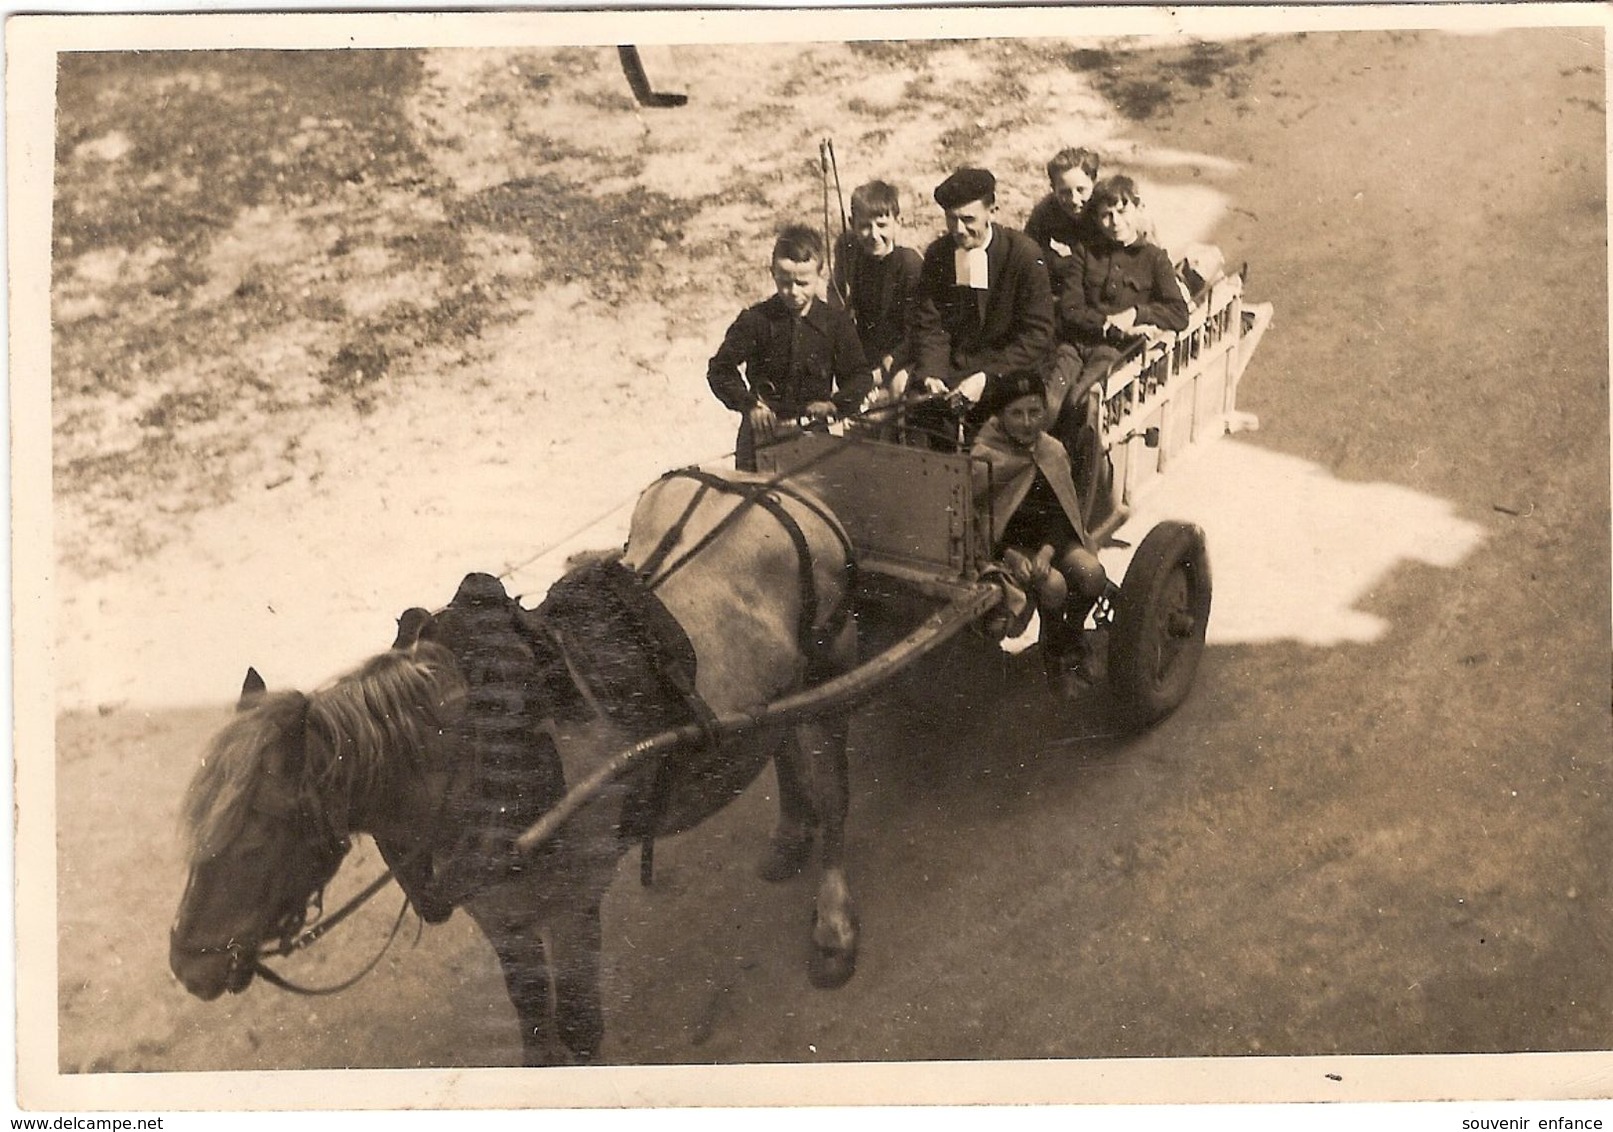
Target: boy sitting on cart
[(1115, 288), (1023, 476), (875, 280), (792, 355)]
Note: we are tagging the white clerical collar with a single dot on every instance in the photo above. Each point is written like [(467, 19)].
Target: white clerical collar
[(970, 265)]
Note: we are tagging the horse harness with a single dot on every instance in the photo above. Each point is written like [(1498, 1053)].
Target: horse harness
[(768, 495), (655, 570), (507, 653), (603, 626)]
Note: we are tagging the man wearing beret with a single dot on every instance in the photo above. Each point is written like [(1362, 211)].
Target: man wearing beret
[(985, 307)]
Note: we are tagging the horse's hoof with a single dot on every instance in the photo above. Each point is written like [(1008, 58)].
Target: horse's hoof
[(831, 970), (432, 909), (785, 859)]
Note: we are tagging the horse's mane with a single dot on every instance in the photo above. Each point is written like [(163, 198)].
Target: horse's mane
[(380, 717), (216, 802)]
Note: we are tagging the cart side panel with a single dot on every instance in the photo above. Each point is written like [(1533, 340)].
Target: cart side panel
[(1176, 394), (1177, 431), (1142, 459), (905, 508), (1215, 375)]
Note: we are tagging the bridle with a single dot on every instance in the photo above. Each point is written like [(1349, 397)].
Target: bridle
[(311, 934), (306, 810)]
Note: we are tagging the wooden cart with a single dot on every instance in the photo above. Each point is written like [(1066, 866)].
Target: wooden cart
[(922, 544)]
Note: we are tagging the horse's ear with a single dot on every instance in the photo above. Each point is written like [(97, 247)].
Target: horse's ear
[(410, 623), (252, 690)]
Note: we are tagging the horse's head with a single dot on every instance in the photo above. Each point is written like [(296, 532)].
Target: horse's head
[(263, 843)]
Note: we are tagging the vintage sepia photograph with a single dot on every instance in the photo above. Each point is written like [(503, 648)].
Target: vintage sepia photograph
[(917, 556)]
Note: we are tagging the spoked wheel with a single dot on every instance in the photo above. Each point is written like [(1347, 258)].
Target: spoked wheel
[(1160, 617)]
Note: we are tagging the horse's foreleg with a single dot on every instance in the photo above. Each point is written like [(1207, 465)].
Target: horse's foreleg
[(580, 1019), (834, 922), (526, 977), (791, 844)]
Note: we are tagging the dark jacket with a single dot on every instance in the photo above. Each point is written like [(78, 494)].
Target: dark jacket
[(1007, 327), (1104, 278), (789, 362), (1058, 234), (880, 295)]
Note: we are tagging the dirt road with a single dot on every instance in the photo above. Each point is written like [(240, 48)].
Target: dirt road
[(1380, 824)]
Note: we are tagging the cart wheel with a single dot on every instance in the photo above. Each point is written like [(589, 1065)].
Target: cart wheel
[(1160, 616)]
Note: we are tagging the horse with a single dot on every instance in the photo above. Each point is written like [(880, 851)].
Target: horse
[(732, 591)]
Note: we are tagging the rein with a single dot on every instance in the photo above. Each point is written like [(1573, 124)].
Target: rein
[(312, 933), (289, 944)]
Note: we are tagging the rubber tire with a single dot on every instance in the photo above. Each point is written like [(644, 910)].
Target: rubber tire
[(1161, 614)]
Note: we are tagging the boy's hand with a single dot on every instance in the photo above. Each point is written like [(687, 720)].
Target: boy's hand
[(1123, 321), (934, 385), (971, 387), (763, 421)]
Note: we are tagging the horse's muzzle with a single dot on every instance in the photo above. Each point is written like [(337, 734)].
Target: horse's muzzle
[(208, 972)]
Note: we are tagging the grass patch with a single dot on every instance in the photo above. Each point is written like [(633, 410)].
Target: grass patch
[(175, 408), (566, 223), (210, 133), (962, 141), (1144, 84), (899, 53)]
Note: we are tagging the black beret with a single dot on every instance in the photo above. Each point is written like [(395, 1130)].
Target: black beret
[(1003, 390), (965, 185)]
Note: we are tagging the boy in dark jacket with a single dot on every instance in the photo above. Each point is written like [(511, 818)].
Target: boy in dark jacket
[(875, 280), (1116, 287), (791, 355), (1059, 221), (984, 307)]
